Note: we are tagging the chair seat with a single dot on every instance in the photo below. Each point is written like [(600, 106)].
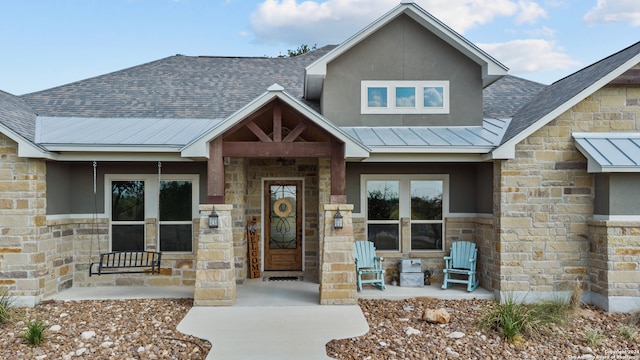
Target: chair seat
[(461, 261), (367, 263)]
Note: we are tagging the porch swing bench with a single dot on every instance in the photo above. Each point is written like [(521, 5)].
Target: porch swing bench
[(127, 262)]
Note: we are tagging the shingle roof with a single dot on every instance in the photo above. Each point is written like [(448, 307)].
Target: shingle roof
[(560, 92), (175, 87), (507, 95), (17, 115)]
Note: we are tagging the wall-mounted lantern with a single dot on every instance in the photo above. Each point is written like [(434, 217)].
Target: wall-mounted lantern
[(337, 220), (213, 219)]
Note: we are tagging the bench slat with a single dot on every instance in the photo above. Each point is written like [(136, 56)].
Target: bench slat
[(126, 262)]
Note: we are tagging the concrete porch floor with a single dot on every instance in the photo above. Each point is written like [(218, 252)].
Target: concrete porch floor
[(271, 319)]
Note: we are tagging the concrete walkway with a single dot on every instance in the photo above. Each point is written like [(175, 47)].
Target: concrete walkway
[(271, 319)]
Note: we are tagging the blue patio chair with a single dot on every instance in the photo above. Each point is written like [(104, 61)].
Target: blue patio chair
[(367, 263), (461, 261)]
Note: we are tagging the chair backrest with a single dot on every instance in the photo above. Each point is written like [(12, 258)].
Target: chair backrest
[(365, 251), (461, 253)]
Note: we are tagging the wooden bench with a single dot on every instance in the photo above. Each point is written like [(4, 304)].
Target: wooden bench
[(126, 262)]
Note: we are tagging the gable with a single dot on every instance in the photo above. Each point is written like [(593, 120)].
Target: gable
[(402, 54), (491, 68)]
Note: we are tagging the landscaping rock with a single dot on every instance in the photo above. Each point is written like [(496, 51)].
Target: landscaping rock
[(438, 316)]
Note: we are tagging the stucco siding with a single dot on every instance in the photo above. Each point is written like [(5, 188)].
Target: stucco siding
[(402, 50)]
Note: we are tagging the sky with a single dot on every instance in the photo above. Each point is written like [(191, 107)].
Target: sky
[(47, 43)]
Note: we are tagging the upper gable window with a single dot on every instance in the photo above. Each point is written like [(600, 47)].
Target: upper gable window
[(404, 97)]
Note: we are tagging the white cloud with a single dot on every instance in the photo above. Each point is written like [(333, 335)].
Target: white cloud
[(531, 55), (333, 21), (614, 11)]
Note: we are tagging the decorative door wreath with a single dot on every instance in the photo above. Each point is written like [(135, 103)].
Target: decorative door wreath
[(282, 207)]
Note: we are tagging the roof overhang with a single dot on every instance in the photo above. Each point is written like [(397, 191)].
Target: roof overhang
[(610, 152), (508, 149), (26, 149), (199, 148), (492, 69)]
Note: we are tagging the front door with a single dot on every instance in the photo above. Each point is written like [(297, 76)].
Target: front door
[(283, 225)]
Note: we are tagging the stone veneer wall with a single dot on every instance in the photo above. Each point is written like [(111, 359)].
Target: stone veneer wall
[(545, 197), (614, 275), (26, 246)]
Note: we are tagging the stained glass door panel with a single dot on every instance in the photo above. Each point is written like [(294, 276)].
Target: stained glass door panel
[(283, 225)]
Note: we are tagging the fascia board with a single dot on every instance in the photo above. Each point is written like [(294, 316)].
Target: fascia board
[(111, 148), (122, 156), (430, 150), (425, 157), (26, 149), (507, 150)]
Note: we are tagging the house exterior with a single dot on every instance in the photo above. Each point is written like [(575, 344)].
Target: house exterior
[(414, 135)]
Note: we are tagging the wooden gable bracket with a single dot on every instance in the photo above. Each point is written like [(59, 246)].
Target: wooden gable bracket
[(273, 145)]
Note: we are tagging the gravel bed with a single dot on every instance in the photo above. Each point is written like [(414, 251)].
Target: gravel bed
[(397, 331), (108, 329), (146, 329)]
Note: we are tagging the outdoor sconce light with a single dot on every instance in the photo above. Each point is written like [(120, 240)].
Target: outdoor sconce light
[(213, 220), (337, 220)]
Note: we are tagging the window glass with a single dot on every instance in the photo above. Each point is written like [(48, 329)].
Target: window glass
[(175, 215), (384, 236), (175, 237), (127, 200), (426, 236), (127, 237), (433, 97), (426, 200), (382, 200), (377, 97), (406, 97), (175, 201)]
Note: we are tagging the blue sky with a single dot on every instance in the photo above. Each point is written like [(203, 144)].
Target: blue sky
[(46, 43)]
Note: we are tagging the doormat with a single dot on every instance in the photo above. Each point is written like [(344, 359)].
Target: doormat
[(282, 278)]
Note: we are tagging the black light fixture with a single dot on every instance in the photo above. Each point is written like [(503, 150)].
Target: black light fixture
[(213, 219), (337, 220)]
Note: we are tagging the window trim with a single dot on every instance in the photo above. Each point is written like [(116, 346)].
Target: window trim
[(392, 85), (152, 186), (404, 192)]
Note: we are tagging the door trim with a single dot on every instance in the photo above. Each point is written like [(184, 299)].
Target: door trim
[(262, 216)]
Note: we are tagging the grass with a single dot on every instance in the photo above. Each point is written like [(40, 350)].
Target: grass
[(593, 337), (515, 320), (628, 332), (34, 333), (6, 307)]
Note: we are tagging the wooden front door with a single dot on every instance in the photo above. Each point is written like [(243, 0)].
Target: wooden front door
[(283, 225)]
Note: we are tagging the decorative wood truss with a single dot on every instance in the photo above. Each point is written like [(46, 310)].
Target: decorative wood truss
[(276, 130)]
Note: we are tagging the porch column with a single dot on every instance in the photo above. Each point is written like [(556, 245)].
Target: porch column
[(215, 269), (338, 270)]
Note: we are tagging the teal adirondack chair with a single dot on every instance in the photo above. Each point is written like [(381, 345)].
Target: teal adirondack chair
[(461, 261), (367, 263)]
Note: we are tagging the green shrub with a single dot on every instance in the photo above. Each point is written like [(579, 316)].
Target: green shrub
[(515, 320), (628, 332), (6, 307), (34, 333), (593, 337)]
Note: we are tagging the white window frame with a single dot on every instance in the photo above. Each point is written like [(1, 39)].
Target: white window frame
[(392, 85), (151, 199), (404, 195)]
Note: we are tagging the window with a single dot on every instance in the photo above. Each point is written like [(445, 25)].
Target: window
[(404, 97), (415, 201), (135, 198)]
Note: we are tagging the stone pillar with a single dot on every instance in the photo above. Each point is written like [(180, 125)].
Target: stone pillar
[(215, 269), (338, 270)]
